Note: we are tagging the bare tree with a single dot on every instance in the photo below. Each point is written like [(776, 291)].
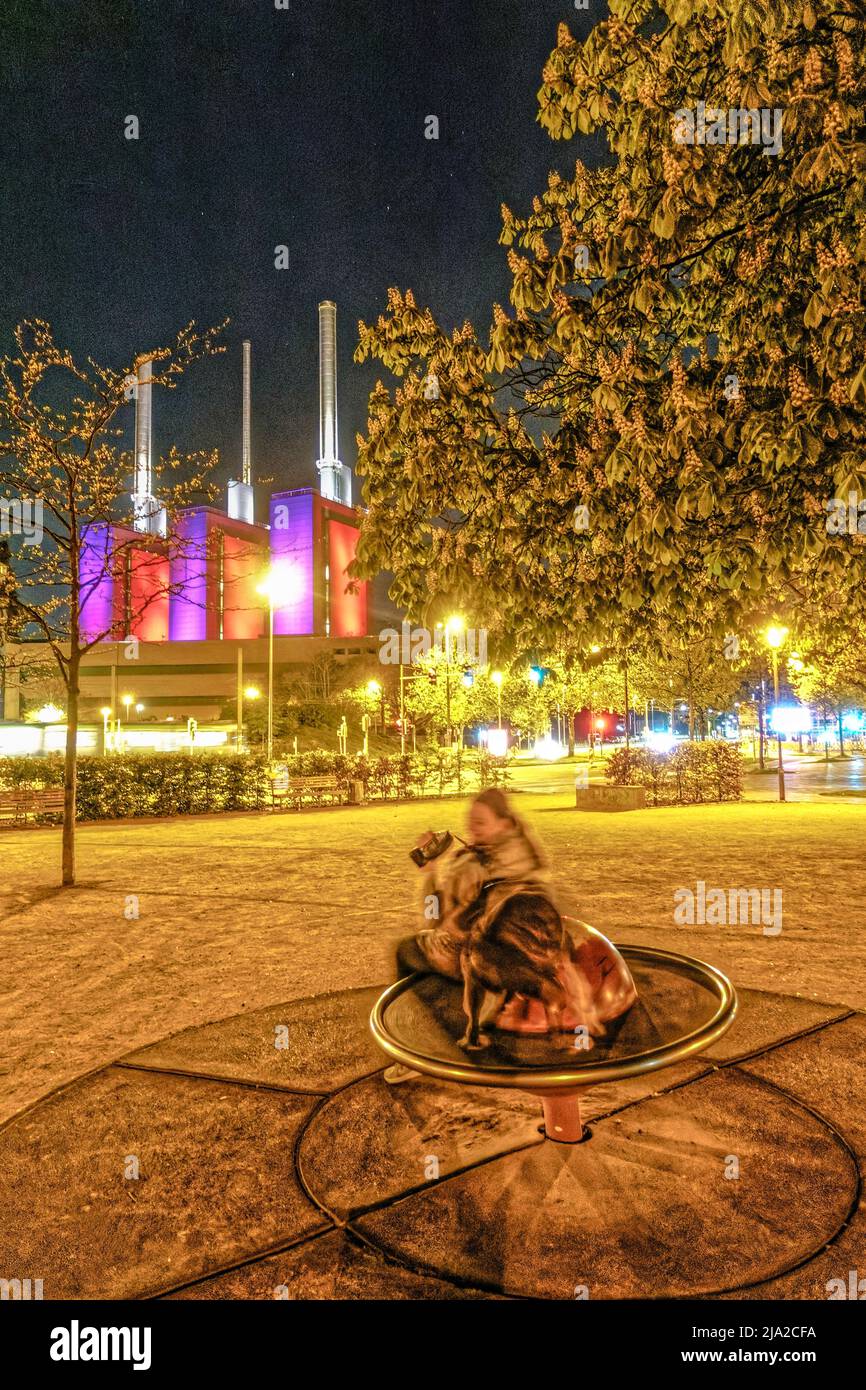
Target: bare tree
[(65, 479)]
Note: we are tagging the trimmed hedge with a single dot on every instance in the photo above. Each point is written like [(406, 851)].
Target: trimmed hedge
[(168, 784), (689, 775), (150, 784), (433, 771)]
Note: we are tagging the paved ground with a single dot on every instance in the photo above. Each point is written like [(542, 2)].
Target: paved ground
[(219, 1165), (252, 1150)]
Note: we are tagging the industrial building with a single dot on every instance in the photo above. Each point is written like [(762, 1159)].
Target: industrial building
[(181, 618)]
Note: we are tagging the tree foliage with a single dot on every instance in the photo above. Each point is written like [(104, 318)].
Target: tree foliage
[(652, 434)]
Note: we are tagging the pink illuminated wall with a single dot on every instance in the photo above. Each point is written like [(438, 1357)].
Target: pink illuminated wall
[(244, 564), (293, 553), (348, 610), (192, 617), (202, 584), (149, 570), (97, 582)]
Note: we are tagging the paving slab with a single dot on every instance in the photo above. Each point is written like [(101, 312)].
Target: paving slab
[(373, 1141), (330, 1267), (827, 1070), (324, 1042), (216, 1181), (764, 1018), (820, 1278), (450, 1191), (644, 1209)]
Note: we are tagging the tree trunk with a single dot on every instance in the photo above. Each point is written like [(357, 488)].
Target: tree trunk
[(70, 772), (570, 720), (841, 734)]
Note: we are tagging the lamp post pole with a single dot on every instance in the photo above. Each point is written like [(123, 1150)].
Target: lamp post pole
[(270, 675), (778, 729), (240, 733)]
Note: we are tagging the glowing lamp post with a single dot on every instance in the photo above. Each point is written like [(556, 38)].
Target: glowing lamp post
[(280, 586), (454, 624), (249, 692), (374, 691), (775, 639), (106, 712), (497, 681), (127, 701)]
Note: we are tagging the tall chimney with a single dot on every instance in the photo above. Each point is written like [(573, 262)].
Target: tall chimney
[(247, 453), (142, 497), (241, 501), (334, 478)]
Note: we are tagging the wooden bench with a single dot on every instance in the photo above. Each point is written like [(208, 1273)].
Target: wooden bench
[(25, 802), (292, 790)]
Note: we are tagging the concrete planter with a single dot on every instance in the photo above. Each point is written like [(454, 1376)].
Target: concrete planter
[(602, 798)]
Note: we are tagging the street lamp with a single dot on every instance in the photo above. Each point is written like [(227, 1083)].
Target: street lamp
[(454, 624), (280, 586), (126, 701), (496, 677), (374, 691), (775, 636), (249, 692), (106, 715)]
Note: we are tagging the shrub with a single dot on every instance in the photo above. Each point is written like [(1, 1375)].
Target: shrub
[(149, 784), (692, 773), (169, 784)]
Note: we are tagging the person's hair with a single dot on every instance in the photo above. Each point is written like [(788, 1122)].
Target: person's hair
[(497, 802)]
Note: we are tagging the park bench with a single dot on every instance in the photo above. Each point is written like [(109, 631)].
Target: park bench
[(23, 803), (292, 791)]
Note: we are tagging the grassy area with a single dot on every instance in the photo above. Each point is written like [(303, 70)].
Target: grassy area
[(240, 911)]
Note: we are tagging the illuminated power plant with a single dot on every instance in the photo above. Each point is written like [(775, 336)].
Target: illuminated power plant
[(201, 583)]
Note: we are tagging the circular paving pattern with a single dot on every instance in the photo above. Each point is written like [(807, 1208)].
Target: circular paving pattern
[(263, 1156)]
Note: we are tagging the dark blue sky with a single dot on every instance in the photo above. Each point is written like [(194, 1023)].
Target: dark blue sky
[(259, 127)]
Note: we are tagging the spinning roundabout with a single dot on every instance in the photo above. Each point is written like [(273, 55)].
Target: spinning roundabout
[(263, 1156)]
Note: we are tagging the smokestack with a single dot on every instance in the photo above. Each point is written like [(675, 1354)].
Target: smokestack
[(328, 382), (335, 482), (241, 502), (142, 497), (147, 515), (247, 453)]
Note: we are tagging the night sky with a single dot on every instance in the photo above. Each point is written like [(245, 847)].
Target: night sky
[(260, 127)]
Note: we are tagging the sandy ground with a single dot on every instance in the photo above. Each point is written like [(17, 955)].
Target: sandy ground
[(236, 912)]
